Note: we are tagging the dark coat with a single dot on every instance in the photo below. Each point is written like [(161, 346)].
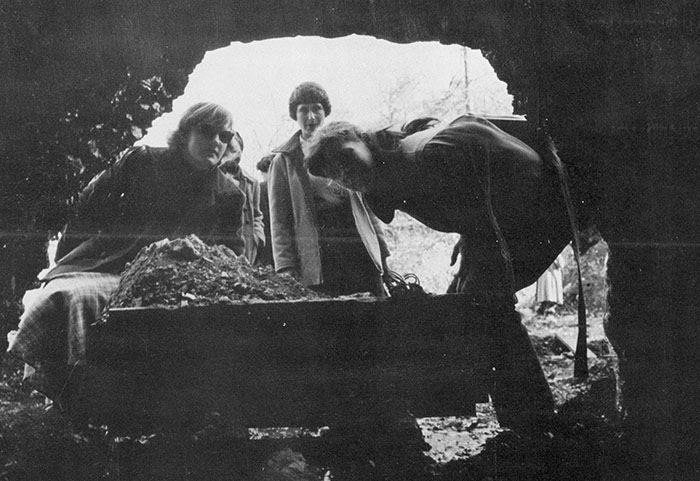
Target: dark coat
[(149, 194), (456, 169)]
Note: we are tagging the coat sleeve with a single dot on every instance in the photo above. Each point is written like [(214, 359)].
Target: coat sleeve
[(284, 249), (379, 227), (99, 203), (258, 221)]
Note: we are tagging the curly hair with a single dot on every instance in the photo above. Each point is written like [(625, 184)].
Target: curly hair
[(380, 142), (325, 145), (199, 113)]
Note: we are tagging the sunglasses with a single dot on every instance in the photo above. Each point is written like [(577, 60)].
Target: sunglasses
[(212, 132)]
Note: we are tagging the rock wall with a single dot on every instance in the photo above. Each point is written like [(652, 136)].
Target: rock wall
[(617, 83)]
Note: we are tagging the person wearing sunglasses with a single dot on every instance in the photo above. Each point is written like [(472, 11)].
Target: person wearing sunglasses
[(147, 195)]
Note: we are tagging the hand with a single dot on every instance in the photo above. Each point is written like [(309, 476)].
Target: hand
[(391, 278), (457, 249), (402, 286), (458, 283)]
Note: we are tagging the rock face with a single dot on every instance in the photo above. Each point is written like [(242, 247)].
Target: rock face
[(617, 83), (188, 272)]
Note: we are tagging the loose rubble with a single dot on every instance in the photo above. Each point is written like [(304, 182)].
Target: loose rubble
[(188, 272)]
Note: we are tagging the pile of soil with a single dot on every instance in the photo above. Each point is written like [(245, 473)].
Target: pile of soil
[(188, 272)]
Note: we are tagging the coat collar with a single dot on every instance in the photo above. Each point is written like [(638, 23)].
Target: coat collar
[(242, 175), (290, 145), (177, 165)]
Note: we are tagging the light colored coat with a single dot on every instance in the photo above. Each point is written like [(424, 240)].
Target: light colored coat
[(293, 221), (549, 286)]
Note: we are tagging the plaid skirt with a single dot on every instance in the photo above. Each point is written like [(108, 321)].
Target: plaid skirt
[(53, 330)]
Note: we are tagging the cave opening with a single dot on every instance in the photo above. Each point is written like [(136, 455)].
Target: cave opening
[(372, 83)]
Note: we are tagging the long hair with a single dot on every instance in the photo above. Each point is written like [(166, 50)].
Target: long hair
[(326, 141), (199, 113), (384, 144)]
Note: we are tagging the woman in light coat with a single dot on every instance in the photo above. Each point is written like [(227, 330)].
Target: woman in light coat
[(322, 234)]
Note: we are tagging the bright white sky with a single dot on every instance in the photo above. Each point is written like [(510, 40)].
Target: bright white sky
[(254, 80)]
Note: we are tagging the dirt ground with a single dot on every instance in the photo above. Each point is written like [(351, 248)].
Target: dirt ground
[(38, 443), (583, 442)]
